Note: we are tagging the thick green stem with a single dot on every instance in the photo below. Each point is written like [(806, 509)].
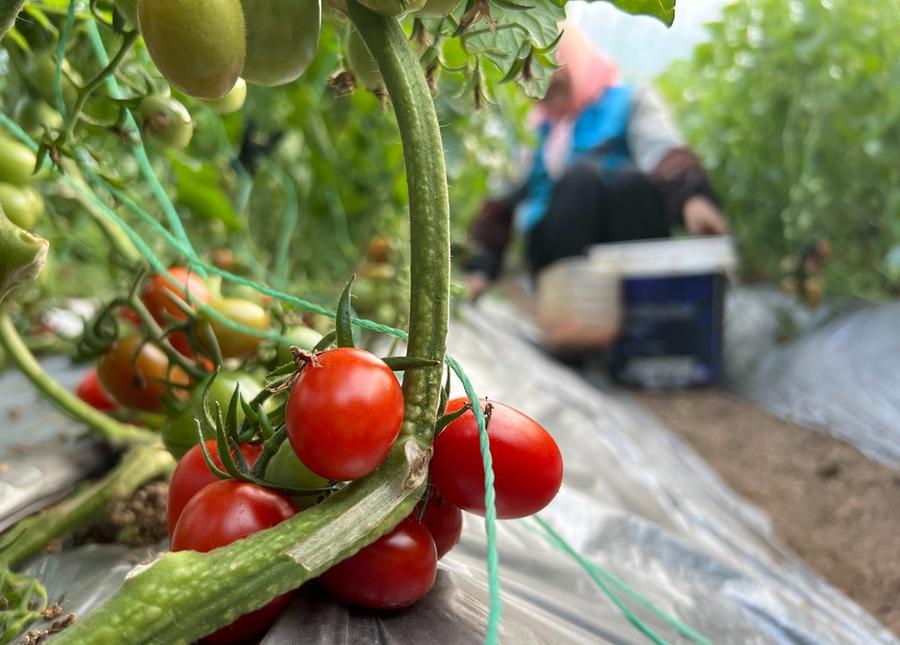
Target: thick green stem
[(117, 433), (139, 465), (22, 256), (429, 212), (9, 9), (187, 595)]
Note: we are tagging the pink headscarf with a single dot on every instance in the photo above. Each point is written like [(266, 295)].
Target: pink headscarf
[(589, 73), (588, 70)]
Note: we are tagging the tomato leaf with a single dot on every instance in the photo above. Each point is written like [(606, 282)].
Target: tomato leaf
[(326, 342), (403, 363), (343, 324), (662, 9), (199, 191), (215, 470), (447, 419)]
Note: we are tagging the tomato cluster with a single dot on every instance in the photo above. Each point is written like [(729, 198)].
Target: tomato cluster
[(135, 371), (328, 415), (342, 414)]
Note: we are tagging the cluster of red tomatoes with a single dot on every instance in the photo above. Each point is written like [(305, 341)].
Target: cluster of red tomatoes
[(340, 416)]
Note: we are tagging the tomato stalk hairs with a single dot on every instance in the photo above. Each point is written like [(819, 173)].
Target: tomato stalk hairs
[(9, 9), (187, 595)]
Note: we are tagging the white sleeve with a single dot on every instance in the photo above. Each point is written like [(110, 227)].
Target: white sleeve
[(651, 130)]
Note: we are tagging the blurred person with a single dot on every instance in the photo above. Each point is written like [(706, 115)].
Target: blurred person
[(610, 166)]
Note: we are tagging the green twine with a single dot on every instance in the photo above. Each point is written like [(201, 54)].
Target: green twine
[(61, 57), (601, 576), (140, 152), (490, 506)]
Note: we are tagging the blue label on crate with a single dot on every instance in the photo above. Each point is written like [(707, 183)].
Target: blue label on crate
[(672, 331)]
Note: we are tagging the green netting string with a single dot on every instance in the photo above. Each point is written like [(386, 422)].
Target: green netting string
[(137, 147), (64, 35), (490, 506), (601, 577)]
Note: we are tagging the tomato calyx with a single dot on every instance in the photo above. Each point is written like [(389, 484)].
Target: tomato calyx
[(446, 419), (256, 427)]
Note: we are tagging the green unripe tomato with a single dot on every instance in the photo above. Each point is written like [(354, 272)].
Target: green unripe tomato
[(166, 121), (362, 64), (180, 432), (232, 343), (245, 292), (198, 46), (41, 74), (16, 162), (392, 7), (129, 11), (366, 296), (282, 38), (36, 116), (385, 313), (231, 102), (302, 337), (22, 205), (285, 469)]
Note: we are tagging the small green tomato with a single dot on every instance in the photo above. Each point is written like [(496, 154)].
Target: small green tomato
[(166, 121), (231, 102), (22, 205)]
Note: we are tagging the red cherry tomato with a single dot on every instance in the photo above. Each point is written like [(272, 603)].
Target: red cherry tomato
[(193, 474), (393, 572), (344, 414), (527, 463), (220, 514), (443, 520), (187, 285), (91, 392), (135, 374)]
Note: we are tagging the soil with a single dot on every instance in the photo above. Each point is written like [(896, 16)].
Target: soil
[(139, 521), (834, 507)]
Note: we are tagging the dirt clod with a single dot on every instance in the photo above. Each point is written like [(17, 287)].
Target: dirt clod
[(139, 521)]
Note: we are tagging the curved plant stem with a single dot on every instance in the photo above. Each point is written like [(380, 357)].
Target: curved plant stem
[(85, 92), (115, 432), (187, 595), (429, 215), (139, 465), (9, 9)]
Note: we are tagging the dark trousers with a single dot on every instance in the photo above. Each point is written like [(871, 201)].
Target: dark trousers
[(590, 206)]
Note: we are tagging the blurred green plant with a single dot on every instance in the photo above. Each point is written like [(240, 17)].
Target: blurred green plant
[(794, 107)]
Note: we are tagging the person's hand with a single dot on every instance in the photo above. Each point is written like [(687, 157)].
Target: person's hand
[(476, 284), (703, 217)]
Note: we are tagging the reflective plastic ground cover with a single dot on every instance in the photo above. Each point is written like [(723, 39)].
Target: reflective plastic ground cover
[(636, 501), (836, 368)]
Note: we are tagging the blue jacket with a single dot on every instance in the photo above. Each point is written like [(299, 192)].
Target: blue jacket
[(601, 129)]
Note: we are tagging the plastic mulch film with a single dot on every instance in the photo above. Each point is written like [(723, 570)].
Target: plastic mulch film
[(835, 368), (654, 525), (42, 456)]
